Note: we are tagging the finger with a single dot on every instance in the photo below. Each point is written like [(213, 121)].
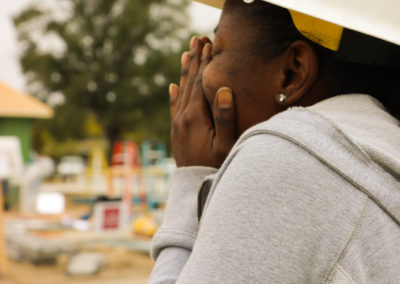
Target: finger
[(185, 62), (192, 42), (205, 59), (186, 58), (173, 97), (198, 102), (195, 57), (224, 119)]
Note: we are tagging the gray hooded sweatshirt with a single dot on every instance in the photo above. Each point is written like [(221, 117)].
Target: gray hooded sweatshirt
[(310, 196)]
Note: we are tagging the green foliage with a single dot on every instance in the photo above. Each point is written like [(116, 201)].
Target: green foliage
[(108, 58), (82, 148)]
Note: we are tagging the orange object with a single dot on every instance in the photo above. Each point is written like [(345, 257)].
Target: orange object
[(126, 168)]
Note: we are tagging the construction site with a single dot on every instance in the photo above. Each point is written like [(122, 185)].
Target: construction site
[(82, 219), (88, 225)]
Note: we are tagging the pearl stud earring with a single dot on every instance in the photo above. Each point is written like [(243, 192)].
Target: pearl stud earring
[(281, 98)]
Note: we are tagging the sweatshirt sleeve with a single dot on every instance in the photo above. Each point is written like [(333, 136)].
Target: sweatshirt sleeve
[(173, 242)]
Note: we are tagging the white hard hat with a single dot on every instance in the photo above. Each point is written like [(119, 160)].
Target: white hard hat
[(373, 23)]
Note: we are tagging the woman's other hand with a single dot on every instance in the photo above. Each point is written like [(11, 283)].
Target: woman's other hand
[(200, 136)]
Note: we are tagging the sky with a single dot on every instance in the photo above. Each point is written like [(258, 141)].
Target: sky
[(203, 18)]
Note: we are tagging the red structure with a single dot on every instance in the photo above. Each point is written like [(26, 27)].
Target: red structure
[(126, 167)]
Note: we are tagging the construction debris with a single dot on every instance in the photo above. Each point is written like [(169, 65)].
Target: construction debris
[(85, 264), (22, 245)]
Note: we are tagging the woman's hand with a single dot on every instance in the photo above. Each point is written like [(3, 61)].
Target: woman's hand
[(199, 136)]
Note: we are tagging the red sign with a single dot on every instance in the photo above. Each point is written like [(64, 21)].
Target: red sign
[(111, 218)]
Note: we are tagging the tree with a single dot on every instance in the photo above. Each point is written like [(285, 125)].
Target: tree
[(111, 58)]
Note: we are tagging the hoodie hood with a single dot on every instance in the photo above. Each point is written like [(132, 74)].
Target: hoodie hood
[(351, 134), (366, 122)]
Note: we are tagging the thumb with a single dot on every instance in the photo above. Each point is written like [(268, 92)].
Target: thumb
[(224, 118)]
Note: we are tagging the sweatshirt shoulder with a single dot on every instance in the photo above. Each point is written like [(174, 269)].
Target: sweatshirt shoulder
[(272, 190)]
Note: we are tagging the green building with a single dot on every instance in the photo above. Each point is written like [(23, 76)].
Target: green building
[(17, 112)]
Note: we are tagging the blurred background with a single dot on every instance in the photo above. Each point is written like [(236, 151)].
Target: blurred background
[(85, 158)]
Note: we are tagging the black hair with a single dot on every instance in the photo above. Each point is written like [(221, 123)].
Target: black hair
[(276, 32)]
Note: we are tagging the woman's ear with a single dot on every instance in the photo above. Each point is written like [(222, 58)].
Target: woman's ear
[(299, 70)]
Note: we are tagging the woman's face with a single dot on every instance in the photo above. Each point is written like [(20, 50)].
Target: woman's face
[(252, 78)]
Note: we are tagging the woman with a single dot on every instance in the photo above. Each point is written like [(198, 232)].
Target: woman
[(306, 195)]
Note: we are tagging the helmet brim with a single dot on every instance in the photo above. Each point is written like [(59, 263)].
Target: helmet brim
[(374, 17)]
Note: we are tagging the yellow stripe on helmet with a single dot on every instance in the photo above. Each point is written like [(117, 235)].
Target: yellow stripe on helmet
[(319, 31), (214, 3)]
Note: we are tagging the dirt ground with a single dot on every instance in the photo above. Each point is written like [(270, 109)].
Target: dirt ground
[(122, 266)]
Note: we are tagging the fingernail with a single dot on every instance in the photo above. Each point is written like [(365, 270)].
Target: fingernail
[(173, 89), (206, 50), (185, 58), (224, 97), (193, 42)]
